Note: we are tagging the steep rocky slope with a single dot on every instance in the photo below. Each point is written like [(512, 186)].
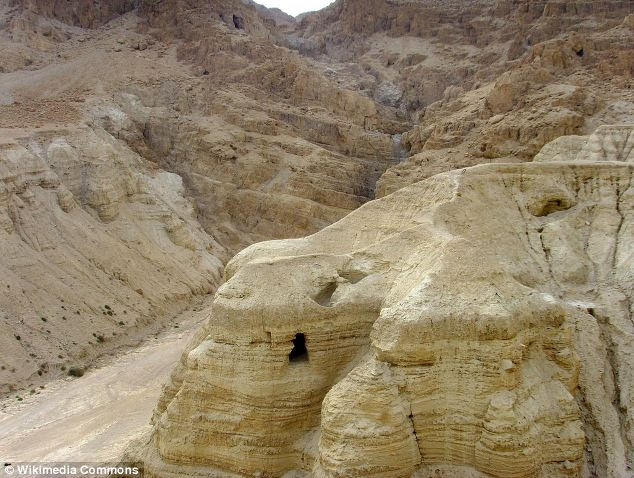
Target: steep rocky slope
[(82, 13), (167, 139), (99, 248), (475, 322), (482, 81)]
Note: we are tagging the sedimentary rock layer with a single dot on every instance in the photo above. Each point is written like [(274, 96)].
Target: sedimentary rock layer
[(475, 322), (98, 247)]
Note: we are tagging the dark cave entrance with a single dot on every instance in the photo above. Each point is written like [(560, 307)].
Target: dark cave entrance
[(299, 353), (238, 22), (579, 52)]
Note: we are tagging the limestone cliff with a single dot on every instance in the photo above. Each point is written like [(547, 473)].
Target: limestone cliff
[(164, 128), (475, 322)]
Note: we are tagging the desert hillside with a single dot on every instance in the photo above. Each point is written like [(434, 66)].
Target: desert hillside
[(415, 213)]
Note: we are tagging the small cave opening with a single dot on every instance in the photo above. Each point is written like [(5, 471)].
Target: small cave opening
[(549, 206), (579, 52), (553, 205), (238, 22), (299, 353)]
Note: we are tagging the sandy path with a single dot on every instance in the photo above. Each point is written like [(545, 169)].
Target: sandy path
[(93, 418)]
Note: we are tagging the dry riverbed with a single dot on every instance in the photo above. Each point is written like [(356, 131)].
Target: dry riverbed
[(94, 417)]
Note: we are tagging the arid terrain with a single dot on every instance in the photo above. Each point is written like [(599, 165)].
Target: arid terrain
[(391, 238), (92, 419)]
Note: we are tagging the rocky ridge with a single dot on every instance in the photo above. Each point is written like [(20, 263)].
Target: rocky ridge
[(135, 111), (148, 142), (403, 341)]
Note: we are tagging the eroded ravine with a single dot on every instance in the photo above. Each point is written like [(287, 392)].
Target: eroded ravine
[(143, 144)]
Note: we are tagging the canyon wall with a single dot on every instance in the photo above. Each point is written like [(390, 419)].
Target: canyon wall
[(475, 322), (171, 145), (98, 248), (481, 81)]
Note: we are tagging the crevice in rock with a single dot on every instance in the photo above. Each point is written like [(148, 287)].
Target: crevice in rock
[(547, 256), (591, 429), (324, 297), (610, 346), (619, 200), (410, 417), (532, 249)]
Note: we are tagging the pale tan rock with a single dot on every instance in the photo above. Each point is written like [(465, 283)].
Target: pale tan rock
[(366, 426), (83, 225), (564, 148), (607, 143), (277, 143), (440, 332)]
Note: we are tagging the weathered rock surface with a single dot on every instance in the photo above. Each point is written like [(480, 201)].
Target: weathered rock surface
[(163, 138), (475, 322), (98, 248), (83, 13), (480, 81), (607, 143)]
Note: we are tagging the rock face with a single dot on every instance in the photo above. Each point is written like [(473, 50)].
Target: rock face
[(476, 93), (145, 153), (83, 13), (474, 324), (97, 245), (607, 143), (478, 322)]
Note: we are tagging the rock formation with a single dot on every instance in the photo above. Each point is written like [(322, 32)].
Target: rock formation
[(174, 158), (81, 13), (98, 247), (478, 321), (476, 93), (607, 143)]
